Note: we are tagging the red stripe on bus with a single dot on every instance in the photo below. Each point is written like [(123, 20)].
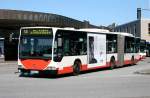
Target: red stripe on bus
[(136, 60), (127, 62), (130, 62), (69, 69), (66, 70), (35, 64), (108, 63), (143, 57)]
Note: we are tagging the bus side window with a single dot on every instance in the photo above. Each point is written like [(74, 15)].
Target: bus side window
[(111, 44), (69, 43)]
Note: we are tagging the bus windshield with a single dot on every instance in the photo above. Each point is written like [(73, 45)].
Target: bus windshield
[(36, 43)]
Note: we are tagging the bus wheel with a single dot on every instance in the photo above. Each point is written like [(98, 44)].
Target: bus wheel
[(112, 63), (76, 68), (132, 61)]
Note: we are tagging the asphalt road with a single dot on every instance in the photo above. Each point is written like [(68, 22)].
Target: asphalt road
[(117, 83)]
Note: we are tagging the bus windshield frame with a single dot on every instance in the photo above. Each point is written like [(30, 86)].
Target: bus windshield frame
[(36, 43)]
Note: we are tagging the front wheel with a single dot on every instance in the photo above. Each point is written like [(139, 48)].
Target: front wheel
[(76, 68)]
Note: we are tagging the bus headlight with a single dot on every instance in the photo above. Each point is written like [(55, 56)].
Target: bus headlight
[(20, 66)]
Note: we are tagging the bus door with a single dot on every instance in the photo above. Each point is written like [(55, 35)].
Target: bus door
[(96, 50), (121, 45)]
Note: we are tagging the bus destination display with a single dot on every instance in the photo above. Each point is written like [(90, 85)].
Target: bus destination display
[(36, 32)]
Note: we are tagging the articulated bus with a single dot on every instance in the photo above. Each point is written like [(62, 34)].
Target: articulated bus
[(62, 50)]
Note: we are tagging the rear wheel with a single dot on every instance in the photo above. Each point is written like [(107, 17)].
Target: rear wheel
[(112, 63), (132, 61), (76, 68)]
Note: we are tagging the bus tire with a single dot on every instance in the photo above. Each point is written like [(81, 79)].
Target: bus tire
[(112, 63), (132, 61), (76, 68)]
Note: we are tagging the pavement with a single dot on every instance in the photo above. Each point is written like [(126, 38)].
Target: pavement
[(144, 71), (104, 83)]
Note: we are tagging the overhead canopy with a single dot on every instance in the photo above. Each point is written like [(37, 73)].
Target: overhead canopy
[(14, 19)]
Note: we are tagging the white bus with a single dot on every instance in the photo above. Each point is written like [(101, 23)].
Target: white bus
[(62, 50)]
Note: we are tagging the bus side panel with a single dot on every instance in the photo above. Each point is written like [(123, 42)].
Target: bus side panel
[(121, 42), (128, 57), (96, 50), (109, 58), (137, 57), (142, 55), (66, 64)]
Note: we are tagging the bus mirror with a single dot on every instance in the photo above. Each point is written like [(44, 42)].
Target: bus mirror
[(60, 42)]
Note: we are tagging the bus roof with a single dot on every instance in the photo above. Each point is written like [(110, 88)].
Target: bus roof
[(94, 30), (124, 33)]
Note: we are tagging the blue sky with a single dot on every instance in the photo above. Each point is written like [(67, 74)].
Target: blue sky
[(98, 12)]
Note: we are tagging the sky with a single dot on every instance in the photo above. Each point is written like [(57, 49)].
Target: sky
[(97, 12)]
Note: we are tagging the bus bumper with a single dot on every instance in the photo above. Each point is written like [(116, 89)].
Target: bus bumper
[(43, 72)]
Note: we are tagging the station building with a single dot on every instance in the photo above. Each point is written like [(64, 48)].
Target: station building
[(12, 20), (139, 28)]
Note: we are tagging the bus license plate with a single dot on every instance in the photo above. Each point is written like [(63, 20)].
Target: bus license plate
[(34, 72)]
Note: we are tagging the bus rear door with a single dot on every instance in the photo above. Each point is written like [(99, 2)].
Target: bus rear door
[(96, 50)]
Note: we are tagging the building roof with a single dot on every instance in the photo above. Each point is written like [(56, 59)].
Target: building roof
[(134, 21), (127, 23), (14, 19)]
